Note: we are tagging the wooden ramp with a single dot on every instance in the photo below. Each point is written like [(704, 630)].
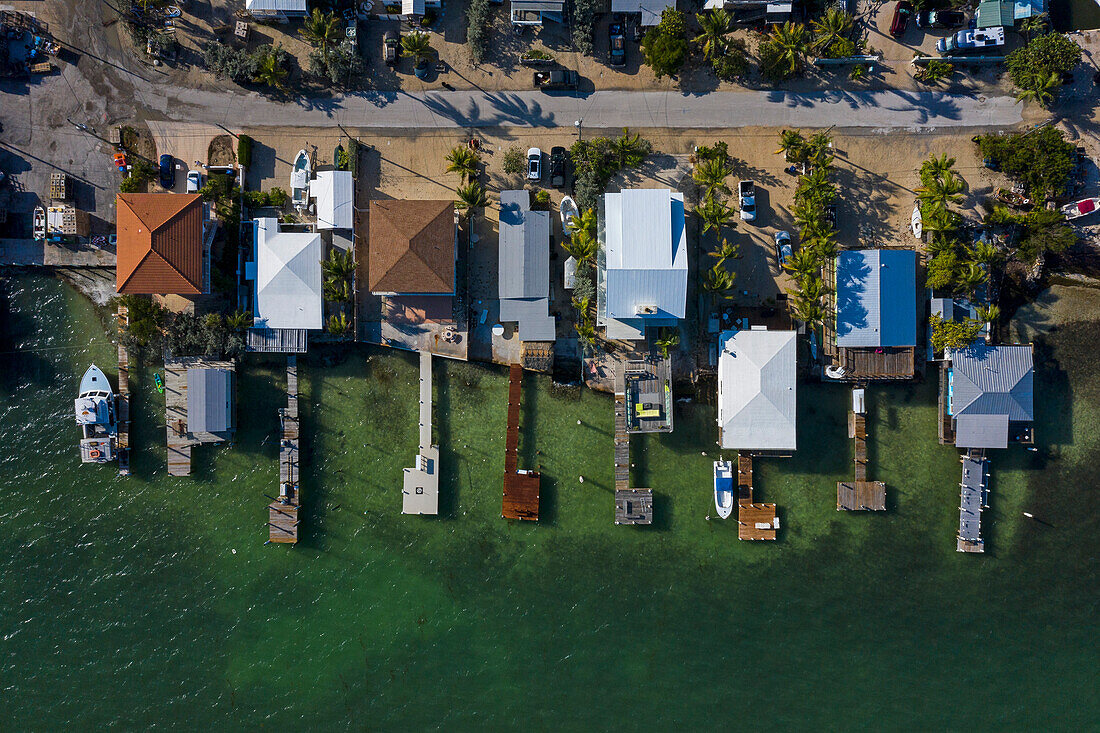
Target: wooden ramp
[(282, 514), (123, 396), (521, 488), (860, 494), (755, 521)]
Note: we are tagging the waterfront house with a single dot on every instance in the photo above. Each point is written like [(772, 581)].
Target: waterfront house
[(277, 10), (988, 398), (413, 245), (524, 267), (642, 271), (876, 315), (334, 192), (757, 391), (210, 399), (163, 244), (957, 310), (287, 287)]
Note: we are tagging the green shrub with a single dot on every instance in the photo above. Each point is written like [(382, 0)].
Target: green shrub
[(1048, 54), (1042, 160), (665, 46), (478, 25), (514, 161), (129, 184), (353, 157), (540, 200), (244, 150), (277, 197), (584, 20)]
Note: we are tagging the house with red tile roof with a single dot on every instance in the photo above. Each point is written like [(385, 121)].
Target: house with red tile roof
[(162, 248)]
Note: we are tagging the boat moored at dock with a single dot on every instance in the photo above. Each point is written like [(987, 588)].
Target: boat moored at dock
[(97, 416), (723, 488)]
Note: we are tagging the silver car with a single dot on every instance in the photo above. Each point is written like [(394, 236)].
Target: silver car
[(534, 164)]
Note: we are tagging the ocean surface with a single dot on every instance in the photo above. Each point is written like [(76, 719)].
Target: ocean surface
[(151, 602)]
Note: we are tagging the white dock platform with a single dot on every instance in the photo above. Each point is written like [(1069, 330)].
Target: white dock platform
[(420, 489)]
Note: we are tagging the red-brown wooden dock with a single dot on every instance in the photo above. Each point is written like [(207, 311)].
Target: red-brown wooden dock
[(521, 488)]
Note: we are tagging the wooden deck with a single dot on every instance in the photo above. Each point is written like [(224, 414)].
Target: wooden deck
[(123, 396), (755, 521), (890, 363), (521, 488), (634, 506), (859, 434), (856, 496), (622, 445), (180, 438), (282, 514)]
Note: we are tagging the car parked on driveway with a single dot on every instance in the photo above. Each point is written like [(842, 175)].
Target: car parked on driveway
[(194, 181), (940, 19), (558, 164), (746, 197), (167, 171), (534, 164), (391, 44), (556, 79), (903, 11), (617, 36), (783, 248)]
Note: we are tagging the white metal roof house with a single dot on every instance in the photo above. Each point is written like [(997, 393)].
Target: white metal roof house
[(288, 278), (642, 270), (524, 267), (757, 390), (335, 194), (650, 10), (534, 12), (280, 10)]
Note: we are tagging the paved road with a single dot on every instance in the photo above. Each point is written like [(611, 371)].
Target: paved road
[(892, 109)]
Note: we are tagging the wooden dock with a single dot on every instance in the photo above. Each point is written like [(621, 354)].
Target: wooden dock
[(755, 521), (282, 515), (860, 494), (521, 488), (973, 498), (634, 506), (175, 405), (622, 445), (123, 396)]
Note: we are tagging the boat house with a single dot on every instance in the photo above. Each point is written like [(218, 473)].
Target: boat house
[(210, 403), (875, 332), (988, 397), (163, 244), (643, 272), (524, 267), (757, 391), (288, 301)]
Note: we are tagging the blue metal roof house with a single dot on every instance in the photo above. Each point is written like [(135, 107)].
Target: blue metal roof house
[(876, 314)]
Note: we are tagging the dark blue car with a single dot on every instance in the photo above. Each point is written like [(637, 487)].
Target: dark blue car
[(167, 171)]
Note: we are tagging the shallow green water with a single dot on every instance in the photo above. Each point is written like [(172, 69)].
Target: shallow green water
[(152, 601)]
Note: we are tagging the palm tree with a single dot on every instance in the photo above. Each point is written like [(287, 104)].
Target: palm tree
[(808, 311), (726, 251), (715, 26), (835, 25), (471, 196), (792, 145), (270, 72), (337, 290), (321, 29), (971, 277), (340, 263), (339, 325), (587, 221), (417, 45), (989, 313), (986, 253), (1033, 26), (464, 161), (586, 331), (714, 214), (629, 149), (793, 42), (1039, 89), (939, 219), (712, 174), (805, 213), (937, 193), (819, 150), (718, 280), (239, 320), (813, 288), (937, 168), (803, 263), (816, 188), (823, 246), (581, 246), (666, 343)]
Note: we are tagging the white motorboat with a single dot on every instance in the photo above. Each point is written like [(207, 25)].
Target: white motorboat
[(299, 180), (723, 488), (1084, 207), (568, 210), (39, 223), (97, 416), (916, 222)]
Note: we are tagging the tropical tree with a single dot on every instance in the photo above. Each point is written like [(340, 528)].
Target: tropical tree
[(712, 174), (793, 146), (238, 320), (340, 263), (471, 196), (953, 334), (338, 290), (813, 288), (718, 280), (463, 161), (586, 221), (339, 325), (270, 69), (1036, 25), (581, 246), (715, 27), (791, 43), (971, 277), (937, 168), (419, 46), (989, 313), (630, 149), (940, 220), (802, 264), (665, 46), (819, 150), (834, 26), (726, 251), (321, 29), (937, 193), (808, 311), (1039, 90), (714, 213), (985, 253), (667, 341)]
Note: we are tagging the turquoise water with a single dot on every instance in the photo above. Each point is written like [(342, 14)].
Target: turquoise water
[(153, 602)]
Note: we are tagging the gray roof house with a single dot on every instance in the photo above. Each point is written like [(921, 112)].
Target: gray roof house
[(210, 401), (642, 269), (757, 390), (991, 395), (524, 267)]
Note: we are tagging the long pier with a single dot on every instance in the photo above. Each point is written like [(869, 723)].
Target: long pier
[(175, 407), (282, 514), (420, 483), (123, 396), (860, 494), (974, 496), (521, 488), (632, 506)]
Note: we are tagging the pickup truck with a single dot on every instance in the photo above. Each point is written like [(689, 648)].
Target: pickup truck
[(556, 79)]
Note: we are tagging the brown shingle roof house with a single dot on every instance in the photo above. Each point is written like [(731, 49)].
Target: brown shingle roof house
[(412, 247), (160, 244)]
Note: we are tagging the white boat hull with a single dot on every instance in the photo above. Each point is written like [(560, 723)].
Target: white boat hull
[(723, 488)]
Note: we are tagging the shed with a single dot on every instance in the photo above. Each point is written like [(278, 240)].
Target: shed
[(209, 400), (995, 13)]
